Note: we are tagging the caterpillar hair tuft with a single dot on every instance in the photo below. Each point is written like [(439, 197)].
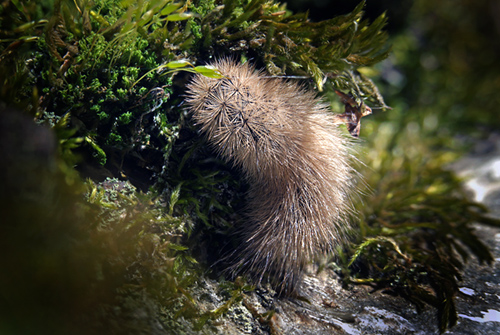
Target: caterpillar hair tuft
[(296, 160)]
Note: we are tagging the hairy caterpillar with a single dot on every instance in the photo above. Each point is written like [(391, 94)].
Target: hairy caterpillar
[(286, 142)]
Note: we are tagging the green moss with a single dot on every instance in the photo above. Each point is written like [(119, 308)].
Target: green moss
[(100, 115), (416, 229), (95, 84), (125, 118), (115, 139), (204, 7)]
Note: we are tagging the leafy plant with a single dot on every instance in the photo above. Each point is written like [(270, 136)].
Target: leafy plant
[(416, 230), (291, 44)]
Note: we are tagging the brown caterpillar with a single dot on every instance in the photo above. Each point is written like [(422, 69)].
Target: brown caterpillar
[(286, 142)]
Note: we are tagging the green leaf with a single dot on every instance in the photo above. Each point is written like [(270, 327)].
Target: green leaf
[(190, 259), (208, 71), (178, 64), (99, 152), (179, 16), (170, 8), (174, 197), (177, 247)]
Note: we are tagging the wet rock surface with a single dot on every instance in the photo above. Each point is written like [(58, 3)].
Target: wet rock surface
[(478, 303)]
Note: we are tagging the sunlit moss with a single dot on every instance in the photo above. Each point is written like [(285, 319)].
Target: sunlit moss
[(416, 231)]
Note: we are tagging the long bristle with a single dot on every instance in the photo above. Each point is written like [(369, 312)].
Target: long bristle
[(297, 162)]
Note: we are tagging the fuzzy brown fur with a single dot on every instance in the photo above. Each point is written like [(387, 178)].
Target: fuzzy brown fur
[(296, 160)]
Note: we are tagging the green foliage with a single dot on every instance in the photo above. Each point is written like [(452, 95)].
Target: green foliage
[(20, 28), (203, 186), (417, 227), (184, 65), (447, 69), (291, 44), (236, 293), (416, 231), (135, 235), (89, 56), (107, 76), (82, 258), (112, 263), (110, 63)]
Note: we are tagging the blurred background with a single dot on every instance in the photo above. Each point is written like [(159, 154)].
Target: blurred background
[(444, 71)]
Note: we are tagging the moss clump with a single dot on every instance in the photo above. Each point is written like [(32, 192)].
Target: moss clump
[(104, 63), (82, 258), (418, 225), (416, 231)]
